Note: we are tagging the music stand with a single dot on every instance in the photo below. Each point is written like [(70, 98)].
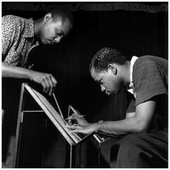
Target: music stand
[(53, 115)]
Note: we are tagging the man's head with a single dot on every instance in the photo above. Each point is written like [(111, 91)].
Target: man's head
[(56, 24), (106, 69)]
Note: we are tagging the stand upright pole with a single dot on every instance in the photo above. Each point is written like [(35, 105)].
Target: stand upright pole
[(72, 156), (18, 130)]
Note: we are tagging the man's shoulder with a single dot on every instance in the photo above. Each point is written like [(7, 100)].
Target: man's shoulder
[(12, 22), (149, 59), (146, 57), (144, 64), (149, 64), (13, 19)]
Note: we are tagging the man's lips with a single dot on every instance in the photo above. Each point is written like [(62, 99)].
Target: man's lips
[(50, 42), (107, 92)]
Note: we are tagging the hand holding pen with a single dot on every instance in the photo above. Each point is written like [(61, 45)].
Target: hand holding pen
[(80, 120)]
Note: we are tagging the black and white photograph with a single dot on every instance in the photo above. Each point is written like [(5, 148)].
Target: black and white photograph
[(84, 84)]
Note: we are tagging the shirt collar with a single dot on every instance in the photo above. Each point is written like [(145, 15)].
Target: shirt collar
[(132, 62), (29, 28)]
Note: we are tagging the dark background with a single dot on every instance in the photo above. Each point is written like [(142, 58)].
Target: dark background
[(132, 28)]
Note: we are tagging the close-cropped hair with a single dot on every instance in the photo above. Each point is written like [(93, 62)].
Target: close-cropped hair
[(106, 56), (62, 12)]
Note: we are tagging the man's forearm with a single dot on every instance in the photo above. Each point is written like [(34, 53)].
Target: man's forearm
[(120, 127), (15, 72), (45, 79)]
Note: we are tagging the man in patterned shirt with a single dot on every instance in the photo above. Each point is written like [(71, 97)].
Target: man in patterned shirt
[(142, 136), (18, 37)]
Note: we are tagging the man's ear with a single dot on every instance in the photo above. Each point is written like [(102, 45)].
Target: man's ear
[(112, 68), (48, 17)]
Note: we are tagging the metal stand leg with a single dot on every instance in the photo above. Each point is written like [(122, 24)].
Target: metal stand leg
[(99, 155), (21, 113), (72, 156), (18, 130)]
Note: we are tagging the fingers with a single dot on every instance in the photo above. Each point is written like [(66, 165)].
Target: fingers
[(49, 83), (45, 79), (77, 129), (74, 128), (75, 116), (72, 117)]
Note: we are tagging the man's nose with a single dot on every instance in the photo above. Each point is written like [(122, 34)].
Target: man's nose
[(102, 88), (58, 39)]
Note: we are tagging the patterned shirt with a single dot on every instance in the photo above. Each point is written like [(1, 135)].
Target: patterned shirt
[(17, 39)]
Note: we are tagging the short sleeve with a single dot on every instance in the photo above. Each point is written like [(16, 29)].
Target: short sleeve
[(148, 81), (8, 29), (130, 103)]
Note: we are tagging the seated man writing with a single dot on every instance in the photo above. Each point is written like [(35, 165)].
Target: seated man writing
[(144, 135)]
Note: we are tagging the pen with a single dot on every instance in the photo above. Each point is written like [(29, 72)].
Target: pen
[(77, 116), (30, 66), (58, 106)]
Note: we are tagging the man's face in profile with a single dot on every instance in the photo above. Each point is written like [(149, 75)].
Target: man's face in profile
[(108, 81), (53, 31)]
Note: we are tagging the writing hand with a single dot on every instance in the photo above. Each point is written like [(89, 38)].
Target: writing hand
[(89, 128), (79, 118)]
